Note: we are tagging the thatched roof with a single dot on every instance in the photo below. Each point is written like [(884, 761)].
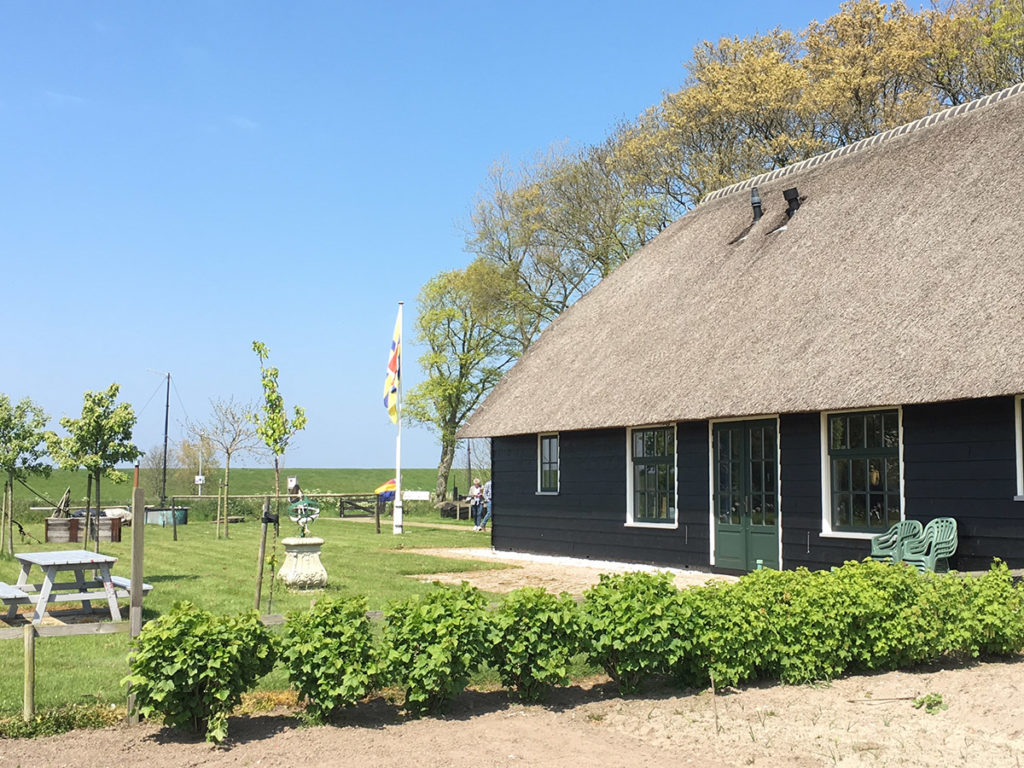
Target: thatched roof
[(899, 280)]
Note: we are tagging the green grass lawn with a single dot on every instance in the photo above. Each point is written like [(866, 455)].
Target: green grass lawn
[(220, 576)]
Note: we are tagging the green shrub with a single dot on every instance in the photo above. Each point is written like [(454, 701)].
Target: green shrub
[(534, 637), (433, 643), (729, 635), (192, 667), (635, 626), (330, 655), (976, 615), (61, 720)]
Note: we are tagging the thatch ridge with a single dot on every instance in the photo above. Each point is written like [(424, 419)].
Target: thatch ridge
[(870, 141), (900, 280)]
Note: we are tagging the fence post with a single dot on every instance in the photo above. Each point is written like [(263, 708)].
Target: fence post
[(263, 553), (29, 710)]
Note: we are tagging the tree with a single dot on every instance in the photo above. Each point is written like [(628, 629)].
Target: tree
[(230, 428), (866, 72), (465, 358), (191, 456), (22, 447), (151, 469), (975, 47), (97, 441), (274, 427)]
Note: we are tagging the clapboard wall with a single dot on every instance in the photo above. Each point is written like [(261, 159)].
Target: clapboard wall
[(959, 461), (586, 518)]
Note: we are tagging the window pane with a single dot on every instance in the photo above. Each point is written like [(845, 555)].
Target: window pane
[(769, 509), (839, 429), (892, 473), (874, 474), (757, 511), (670, 442), (859, 474), (893, 504), (756, 447), (892, 429), (842, 506), (659, 443), (874, 430), (840, 475), (755, 477), (856, 431), (860, 510)]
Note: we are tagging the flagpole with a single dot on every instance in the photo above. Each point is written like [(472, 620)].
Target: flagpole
[(397, 525)]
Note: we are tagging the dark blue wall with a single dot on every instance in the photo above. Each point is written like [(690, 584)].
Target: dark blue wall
[(959, 461)]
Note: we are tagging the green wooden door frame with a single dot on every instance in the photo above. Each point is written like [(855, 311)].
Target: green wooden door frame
[(745, 494)]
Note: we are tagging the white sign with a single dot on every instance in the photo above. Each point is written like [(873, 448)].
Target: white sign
[(200, 479), (416, 495)]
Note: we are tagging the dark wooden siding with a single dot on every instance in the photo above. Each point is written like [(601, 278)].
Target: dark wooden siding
[(960, 461), (800, 475), (587, 517)]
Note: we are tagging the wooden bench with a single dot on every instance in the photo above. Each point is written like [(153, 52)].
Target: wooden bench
[(126, 584), (12, 595)]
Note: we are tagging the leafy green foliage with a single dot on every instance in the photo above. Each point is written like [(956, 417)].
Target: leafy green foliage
[(635, 626), (100, 439), (61, 720), (330, 655), (192, 667), (274, 427), (932, 703), (432, 644), (534, 637)]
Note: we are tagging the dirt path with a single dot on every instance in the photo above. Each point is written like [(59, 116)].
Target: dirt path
[(858, 721)]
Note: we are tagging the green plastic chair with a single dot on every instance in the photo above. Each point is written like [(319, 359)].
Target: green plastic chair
[(937, 544), (889, 545)]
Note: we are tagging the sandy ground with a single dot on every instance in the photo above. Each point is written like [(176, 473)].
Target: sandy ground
[(556, 574), (858, 721), (866, 720)]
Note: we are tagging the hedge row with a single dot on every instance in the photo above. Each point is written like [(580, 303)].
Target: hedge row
[(794, 626)]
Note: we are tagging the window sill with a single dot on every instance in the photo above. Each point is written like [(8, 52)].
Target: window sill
[(1018, 498), (661, 526), (857, 535), (546, 493)]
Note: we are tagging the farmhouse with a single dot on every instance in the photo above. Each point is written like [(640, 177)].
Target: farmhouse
[(776, 384)]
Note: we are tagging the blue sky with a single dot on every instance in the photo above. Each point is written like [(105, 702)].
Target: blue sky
[(181, 178)]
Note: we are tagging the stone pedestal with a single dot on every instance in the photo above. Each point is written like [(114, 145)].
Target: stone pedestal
[(302, 568)]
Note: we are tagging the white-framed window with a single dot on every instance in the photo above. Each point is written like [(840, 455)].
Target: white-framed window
[(1018, 424), (862, 471), (547, 463), (651, 476)]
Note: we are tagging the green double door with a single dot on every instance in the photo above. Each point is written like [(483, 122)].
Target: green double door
[(746, 494)]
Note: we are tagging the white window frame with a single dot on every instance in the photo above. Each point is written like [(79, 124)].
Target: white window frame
[(558, 464), (1018, 431), (826, 474), (630, 522)]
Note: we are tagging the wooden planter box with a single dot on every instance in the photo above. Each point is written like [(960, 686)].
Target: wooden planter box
[(63, 530)]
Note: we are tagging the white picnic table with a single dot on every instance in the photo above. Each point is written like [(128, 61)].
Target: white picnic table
[(83, 589)]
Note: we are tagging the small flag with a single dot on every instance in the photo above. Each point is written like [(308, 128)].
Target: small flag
[(386, 491), (394, 371)]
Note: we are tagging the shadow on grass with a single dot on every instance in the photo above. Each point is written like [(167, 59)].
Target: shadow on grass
[(170, 577)]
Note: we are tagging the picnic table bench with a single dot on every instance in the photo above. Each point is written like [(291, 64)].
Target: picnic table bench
[(83, 589)]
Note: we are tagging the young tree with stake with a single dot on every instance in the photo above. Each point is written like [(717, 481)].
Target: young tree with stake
[(22, 447)]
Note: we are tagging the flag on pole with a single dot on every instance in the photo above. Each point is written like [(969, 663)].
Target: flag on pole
[(394, 371)]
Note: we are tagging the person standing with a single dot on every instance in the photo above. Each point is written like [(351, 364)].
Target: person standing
[(486, 493), (476, 502)]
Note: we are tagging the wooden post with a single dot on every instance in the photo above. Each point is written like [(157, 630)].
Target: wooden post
[(174, 520), (29, 710), (376, 512), (135, 604), (263, 552)]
